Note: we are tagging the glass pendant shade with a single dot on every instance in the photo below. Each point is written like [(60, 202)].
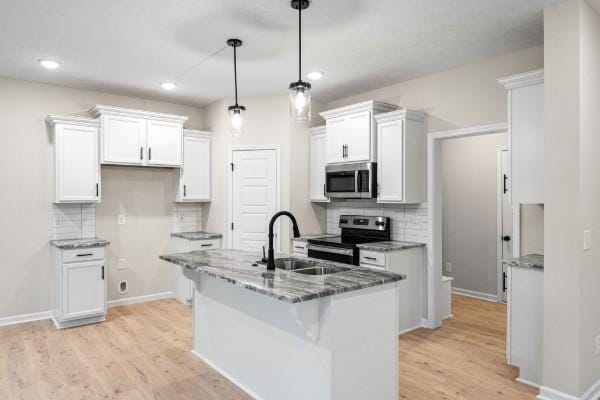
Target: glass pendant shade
[(236, 120), (300, 101)]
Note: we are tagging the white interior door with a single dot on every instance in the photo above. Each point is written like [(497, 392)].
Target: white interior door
[(506, 238), (254, 197)]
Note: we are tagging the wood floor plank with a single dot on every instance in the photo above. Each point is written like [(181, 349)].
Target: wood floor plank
[(143, 352)]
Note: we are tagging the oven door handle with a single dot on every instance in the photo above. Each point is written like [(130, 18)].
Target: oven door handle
[(333, 250)]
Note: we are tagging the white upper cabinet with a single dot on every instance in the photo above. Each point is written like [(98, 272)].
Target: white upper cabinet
[(526, 135), (350, 131), (195, 174), (76, 166), (134, 137), (400, 167), (164, 143), (318, 160)]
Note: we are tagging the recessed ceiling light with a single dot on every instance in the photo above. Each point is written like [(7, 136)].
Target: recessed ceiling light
[(49, 64), (168, 85), (315, 75)]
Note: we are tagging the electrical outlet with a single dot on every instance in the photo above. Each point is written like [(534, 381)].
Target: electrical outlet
[(598, 346), (448, 267), (123, 287), (587, 240), (122, 264), (121, 219), (58, 220)]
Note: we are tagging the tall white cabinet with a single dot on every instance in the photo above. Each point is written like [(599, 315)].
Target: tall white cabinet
[(526, 135), (135, 137), (76, 166), (318, 160), (400, 161), (195, 173), (350, 131)]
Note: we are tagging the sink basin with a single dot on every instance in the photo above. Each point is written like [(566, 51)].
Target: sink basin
[(321, 270), (291, 264)]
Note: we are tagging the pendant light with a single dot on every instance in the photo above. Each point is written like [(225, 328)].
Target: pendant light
[(236, 112), (299, 90)]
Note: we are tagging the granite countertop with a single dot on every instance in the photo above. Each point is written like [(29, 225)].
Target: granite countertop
[(304, 238), (79, 243), (388, 246), (528, 261), (197, 235), (235, 267)]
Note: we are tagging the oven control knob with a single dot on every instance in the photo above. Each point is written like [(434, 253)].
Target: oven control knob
[(380, 223)]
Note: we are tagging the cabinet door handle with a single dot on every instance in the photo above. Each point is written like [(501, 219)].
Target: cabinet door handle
[(141, 153), (299, 247), (103, 272), (207, 245), (505, 186), (184, 191), (324, 191), (149, 153), (370, 258), (85, 255), (97, 189), (504, 281)]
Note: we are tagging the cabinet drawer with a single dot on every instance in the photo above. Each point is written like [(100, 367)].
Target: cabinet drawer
[(93, 253), (299, 247), (375, 267), (205, 244), (372, 257)]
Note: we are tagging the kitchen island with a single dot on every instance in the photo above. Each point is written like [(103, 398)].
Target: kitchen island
[(292, 334)]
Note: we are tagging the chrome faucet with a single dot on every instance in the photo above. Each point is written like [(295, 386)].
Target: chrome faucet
[(271, 259)]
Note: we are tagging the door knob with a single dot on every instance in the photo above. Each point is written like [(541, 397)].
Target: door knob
[(506, 238)]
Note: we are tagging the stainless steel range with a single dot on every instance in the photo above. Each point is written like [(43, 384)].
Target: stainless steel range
[(356, 229)]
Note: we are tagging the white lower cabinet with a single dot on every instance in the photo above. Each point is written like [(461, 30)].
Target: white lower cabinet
[(79, 295), (183, 288), (195, 175), (410, 291), (525, 301), (76, 165)]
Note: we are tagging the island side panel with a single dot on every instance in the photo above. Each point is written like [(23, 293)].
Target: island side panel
[(258, 343), (364, 344)]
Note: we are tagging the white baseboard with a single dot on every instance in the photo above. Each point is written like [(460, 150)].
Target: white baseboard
[(528, 383), (477, 295), (139, 299), (20, 319), (593, 393), (550, 394), (227, 376)]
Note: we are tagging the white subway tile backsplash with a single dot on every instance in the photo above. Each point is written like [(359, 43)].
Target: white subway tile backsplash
[(73, 221), (187, 217), (410, 222)]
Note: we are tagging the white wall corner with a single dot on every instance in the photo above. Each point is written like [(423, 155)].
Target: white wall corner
[(547, 393)]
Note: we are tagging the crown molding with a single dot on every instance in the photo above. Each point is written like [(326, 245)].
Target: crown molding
[(317, 130), (377, 107), (197, 133), (522, 80), (54, 119), (404, 113), (99, 110)]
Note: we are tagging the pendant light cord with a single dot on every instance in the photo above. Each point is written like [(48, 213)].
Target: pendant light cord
[(300, 40), (235, 72)]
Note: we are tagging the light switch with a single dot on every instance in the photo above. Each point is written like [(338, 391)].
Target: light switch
[(587, 240), (121, 219)]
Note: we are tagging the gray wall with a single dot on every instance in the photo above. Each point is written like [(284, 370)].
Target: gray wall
[(469, 173)]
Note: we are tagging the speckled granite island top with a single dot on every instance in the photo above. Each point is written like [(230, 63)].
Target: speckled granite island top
[(79, 243), (197, 235), (388, 246), (528, 261), (235, 267)]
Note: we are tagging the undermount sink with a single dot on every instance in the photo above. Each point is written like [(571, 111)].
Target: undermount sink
[(321, 270), (306, 267)]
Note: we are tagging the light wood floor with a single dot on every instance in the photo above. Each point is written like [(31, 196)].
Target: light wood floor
[(143, 352)]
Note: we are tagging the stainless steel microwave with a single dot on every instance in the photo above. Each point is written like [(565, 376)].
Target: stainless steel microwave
[(351, 180)]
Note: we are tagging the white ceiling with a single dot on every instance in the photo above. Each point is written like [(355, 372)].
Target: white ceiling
[(130, 46)]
